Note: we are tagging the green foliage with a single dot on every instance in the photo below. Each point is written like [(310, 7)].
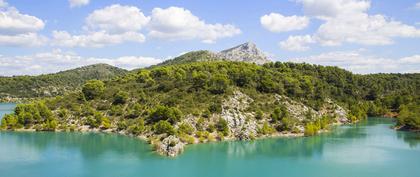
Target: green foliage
[(55, 84), (93, 89), (218, 84), (279, 113), (311, 129), (409, 117), (259, 115), (170, 114), (266, 129), (120, 97), (222, 126), (138, 127), (163, 126), (185, 128)]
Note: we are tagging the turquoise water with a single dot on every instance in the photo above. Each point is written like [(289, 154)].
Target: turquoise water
[(368, 149)]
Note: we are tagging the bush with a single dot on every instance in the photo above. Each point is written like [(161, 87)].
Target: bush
[(266, 129), (185, 128), (222, 126), (137, 128), (164, 126), (93, 89), (311, 129), (120, 97), (172, 115), (259, 115)]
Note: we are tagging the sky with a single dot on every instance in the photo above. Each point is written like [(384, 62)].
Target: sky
[(362, 36)]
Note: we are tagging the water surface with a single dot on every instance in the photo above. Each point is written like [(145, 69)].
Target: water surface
[(368, 149)]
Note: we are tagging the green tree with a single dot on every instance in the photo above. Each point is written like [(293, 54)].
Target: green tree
[(218, 84), (222, 126), (171, 114), (164, 126), (93, 89), (120, 97)]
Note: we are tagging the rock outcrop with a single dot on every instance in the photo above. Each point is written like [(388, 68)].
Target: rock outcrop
[(239, 122), (247, 52), (170, 146)]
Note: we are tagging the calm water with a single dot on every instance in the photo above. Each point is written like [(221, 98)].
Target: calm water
[(368, 149)]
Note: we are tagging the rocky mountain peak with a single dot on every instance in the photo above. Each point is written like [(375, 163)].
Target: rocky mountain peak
[(247, 52)]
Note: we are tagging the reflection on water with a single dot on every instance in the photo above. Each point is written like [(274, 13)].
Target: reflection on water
[(90, 145), (412, 139)]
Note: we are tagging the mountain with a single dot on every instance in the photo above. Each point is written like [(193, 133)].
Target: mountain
[(247, 52), (55, 84)]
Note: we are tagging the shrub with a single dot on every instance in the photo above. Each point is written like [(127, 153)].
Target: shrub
[(120, 97), (311, 129), (164, 126), (222, 126), (93, 89), (172, 115), (185, 128)]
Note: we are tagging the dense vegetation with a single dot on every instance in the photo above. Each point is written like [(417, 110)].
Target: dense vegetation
[(55, 84), (149, 99), (160, 101)]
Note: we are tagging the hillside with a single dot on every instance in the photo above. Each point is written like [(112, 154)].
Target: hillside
[(54, 84), (197, 102)]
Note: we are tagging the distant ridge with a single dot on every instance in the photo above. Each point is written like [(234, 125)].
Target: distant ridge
[(246, 52), (56, 83)]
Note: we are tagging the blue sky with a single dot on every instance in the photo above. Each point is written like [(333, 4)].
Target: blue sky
[(359, 35)]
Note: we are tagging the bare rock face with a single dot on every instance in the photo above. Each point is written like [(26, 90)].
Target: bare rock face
[(247, 52), (170, 146), (332, 109), (297, 109), (233, 111)]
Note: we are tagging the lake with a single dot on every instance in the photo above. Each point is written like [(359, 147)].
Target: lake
[(367, 149)]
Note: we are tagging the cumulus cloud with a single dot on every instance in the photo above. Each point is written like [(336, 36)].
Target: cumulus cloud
[(111, 25), (57, 60), (358, 62), (94, 39), (117, 19), (275, 22), (417, 6), (17, 29), (297, 43), (348, 21), (175, 23), (78, 3)]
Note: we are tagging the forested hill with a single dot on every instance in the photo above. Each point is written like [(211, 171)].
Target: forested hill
[(55, 84), (197, 102)]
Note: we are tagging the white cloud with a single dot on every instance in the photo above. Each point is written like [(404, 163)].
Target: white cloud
[(17, 29), (58, 60), (297, 43), (78, 3), (26, 39), (175, 23), (275, 22), (358, 62), (348, 21), (325, 9), (94, 39), (111, 25), (117, 19)]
